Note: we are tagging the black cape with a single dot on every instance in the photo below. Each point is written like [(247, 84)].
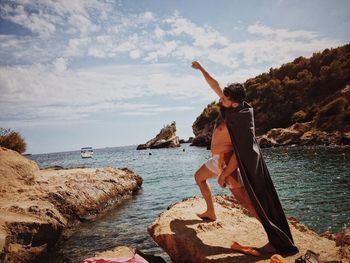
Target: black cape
[(256, 177)]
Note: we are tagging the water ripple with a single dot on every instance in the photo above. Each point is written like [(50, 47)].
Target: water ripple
[(313, 184)]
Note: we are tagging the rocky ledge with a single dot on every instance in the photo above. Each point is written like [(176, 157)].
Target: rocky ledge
[(166, 138), (302, 134), (186, 238), (37, 207)]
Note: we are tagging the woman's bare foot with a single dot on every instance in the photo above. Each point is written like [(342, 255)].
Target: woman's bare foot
[(207, 216), (245, 250)]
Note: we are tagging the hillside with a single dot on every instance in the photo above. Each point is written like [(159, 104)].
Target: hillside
[(315, 89)]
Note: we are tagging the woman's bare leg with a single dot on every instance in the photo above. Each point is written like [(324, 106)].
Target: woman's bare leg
[(201, 177)]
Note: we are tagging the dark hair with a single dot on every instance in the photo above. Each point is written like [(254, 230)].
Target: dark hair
[(235, 92)]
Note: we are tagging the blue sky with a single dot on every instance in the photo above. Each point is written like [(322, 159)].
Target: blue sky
[(112, 73)]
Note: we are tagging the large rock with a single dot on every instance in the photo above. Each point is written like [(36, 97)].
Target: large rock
[(166, 138), (301, 134), (284, 136), (188, 239), (38, 206), (203, 134), (345, 138), (317, 137)]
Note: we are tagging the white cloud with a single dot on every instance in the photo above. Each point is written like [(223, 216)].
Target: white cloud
[(36, 22), (53, 91), (265, 31), (159, 32), (40, 84), (96, 52), (60, 65), (98, 29), (46, 17), (203, 37), (156, 110), (135, 54)]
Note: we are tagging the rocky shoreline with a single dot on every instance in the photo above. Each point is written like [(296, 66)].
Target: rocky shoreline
[(38, 207), (187, 238), (303, 134)]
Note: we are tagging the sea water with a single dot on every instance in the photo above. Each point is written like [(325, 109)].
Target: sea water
[(312, 182)]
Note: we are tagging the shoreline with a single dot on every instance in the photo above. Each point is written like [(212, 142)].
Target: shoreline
[(41, 207)]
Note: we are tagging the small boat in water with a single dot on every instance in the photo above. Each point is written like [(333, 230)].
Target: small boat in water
[(86, 152)]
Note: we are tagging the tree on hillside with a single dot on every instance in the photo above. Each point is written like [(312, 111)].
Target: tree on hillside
[(293, 91)]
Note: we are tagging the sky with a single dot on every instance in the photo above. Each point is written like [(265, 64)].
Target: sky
[(76, 73)]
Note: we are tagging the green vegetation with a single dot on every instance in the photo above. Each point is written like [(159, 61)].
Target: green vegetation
[(209, 115), (307, 89), (333, 113), (12, 140), (295, 91)]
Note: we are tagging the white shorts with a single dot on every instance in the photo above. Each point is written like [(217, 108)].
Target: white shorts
[(213, 165)]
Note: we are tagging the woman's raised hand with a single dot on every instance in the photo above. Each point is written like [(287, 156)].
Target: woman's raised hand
[(196, 65)]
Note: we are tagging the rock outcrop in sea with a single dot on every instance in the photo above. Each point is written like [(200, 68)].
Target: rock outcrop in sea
[(187, 238), (166, 138), (38, 207)]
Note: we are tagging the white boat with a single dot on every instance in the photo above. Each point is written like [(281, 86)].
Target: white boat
[(86, 152)]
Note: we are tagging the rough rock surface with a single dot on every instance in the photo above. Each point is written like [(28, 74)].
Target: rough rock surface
[(302, 134), (166, 138), (203, 134), (186, 238), (299, 134), (38, 206)]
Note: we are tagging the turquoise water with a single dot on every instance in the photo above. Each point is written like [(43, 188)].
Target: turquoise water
[(312, 182)]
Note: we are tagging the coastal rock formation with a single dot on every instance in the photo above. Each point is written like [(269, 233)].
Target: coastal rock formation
[(204, 125), (37, 207), (203, 136), (345, 138), (186, 238), (190, 140), (166, 138), (297, 134), (302, 134)]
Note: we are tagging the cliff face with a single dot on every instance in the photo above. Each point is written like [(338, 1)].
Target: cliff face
[(38, 206), (186, 238), (166, 138), (204, 125)]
